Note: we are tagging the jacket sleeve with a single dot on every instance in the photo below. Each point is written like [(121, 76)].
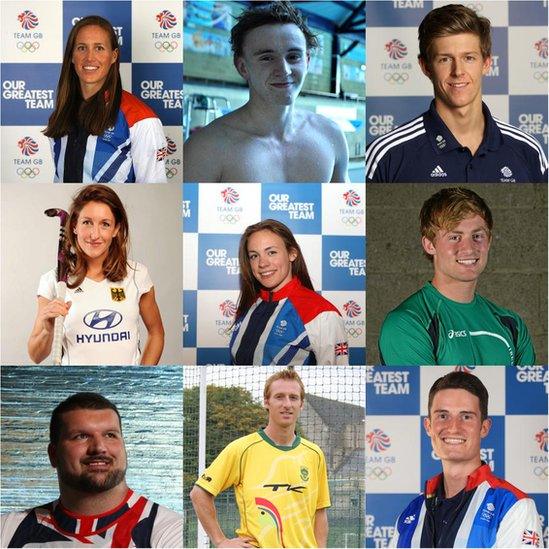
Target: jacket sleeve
[(149, 148), (520, 527), (404, 341), (328, 339), (526, 355)]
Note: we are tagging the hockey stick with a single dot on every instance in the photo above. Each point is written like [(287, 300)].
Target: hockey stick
[(61, 286)]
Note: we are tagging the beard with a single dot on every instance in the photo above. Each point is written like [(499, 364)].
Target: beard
[(92, 483)]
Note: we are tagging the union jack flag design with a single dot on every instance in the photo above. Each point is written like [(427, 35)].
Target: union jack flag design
[(161, 154), (529, 537), (341, 349)]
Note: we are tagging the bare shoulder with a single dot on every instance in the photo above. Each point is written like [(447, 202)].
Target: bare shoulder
[(321, 123), (205, 150)]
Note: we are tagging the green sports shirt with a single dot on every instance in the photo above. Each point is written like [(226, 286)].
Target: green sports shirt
[(428, 328)]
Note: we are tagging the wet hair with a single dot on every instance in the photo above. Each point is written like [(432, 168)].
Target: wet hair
[(461, 380), (287, 375), (449, 20), (78, 401), (116, 262), (447, 207), (249, 285), (280, 12), (100, 111)]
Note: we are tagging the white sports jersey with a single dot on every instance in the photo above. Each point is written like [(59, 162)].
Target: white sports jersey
[(102, 324), (136, 522)]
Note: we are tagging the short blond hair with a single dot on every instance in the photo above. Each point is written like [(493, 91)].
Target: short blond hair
[(288, 375)]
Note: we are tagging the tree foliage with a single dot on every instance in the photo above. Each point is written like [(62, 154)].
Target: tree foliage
[(231, 413)]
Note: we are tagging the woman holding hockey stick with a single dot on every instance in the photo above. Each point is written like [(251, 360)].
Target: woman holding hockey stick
[(106, 292), (280, 319), (98, 131)]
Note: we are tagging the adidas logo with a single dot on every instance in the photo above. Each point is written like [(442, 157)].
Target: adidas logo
[(438, 172), (79, 290)]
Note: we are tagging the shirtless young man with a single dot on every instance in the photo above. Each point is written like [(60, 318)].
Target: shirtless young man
[(267, 139)]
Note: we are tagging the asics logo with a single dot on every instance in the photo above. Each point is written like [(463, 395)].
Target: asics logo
[(457, 333)]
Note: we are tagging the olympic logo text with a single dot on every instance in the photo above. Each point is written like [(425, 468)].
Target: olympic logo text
[(378, 473), (396, 77), (28, 173), (166, 46), (28, 47)]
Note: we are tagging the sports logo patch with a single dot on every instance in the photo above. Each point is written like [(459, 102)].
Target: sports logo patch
[(304, 473), (529, 537), (161, 154), (341, 349), (117, 294)]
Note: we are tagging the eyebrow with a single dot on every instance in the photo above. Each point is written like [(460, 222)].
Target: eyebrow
[(261, 52), (485, 229), (461, 412), (266, 249)]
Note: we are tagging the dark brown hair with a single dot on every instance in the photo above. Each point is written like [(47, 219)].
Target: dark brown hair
[(97, 113), (249, 286), (461, 380), (446, 208), (280, 12), (115, 264), (453, 19), (289, 375), (78, 401)]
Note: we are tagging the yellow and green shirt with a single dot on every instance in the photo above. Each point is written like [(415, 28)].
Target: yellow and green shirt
[(278, 488)]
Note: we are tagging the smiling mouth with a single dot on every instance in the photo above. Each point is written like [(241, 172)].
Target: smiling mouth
[(454, 441), (98, 464), (458, 85), (467, 262), (266, 274), (282, 84)]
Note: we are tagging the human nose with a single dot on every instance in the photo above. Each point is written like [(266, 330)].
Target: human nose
[(263, 260), (96, 445), (457, 67), (283, 67)]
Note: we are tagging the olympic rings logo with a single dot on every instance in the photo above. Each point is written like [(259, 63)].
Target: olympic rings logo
[(540, 472), (378, 473), (354, 332), (540, 76), (225, 332), (166, 46), (231, 219), (29, 173), (396, 77), (351, 220), (28, 47), (171, 172)]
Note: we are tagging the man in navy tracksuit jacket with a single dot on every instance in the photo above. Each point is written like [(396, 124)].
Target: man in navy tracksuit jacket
[(465, 505), (457, 140)]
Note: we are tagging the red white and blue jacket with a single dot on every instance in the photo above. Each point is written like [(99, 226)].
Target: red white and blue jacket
[(292, 326), (496, 514), (132, 151), (136, 522)]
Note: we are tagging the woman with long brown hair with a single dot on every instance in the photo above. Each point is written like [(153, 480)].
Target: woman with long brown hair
[(98, 131), (106, 292), (280, 319)]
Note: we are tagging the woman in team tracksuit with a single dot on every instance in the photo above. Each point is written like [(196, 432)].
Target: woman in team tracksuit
[(280, 319), (106, 292), (99, 132)]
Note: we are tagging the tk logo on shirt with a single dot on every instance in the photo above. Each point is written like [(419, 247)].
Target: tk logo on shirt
[(117, 294), (289, 487)]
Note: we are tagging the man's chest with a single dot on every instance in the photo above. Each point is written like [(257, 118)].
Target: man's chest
[(303, 159)]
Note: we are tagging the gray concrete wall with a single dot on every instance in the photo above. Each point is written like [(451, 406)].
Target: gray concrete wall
[(516, 275)]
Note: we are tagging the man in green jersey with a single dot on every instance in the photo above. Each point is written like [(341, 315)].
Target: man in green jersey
[(446, 322), (279, 478)]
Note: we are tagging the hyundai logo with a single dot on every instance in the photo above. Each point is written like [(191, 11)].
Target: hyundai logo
[(102, 319)]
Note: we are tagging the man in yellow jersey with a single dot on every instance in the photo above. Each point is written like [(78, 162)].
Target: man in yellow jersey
[(279, 478)]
